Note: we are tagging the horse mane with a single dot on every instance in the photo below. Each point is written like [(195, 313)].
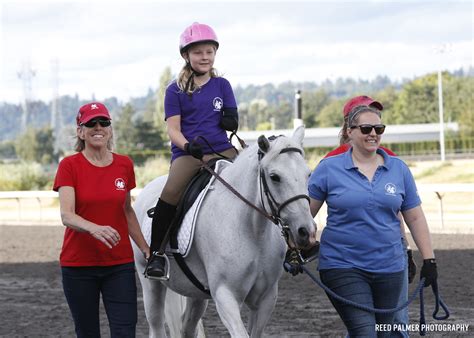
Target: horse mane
[(276, 146)]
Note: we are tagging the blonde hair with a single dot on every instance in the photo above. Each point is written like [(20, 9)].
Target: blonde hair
[(81, 144), (185, 79)]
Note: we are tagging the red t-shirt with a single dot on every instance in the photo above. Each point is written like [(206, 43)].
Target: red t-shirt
[(100, 194), (346, 146)]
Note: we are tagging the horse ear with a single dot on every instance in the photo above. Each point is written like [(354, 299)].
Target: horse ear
[(298, 135), (263, 143)]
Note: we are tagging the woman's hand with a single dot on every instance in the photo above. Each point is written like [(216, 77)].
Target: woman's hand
[(106, 234)]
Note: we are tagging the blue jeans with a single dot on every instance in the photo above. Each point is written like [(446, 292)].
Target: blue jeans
[(82, 288), (401, 317), (379, 290)]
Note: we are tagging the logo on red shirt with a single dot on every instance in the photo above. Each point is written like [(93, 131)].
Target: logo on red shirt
[(119, 184)]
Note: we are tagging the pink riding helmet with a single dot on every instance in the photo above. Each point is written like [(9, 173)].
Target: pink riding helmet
[(197, 32)]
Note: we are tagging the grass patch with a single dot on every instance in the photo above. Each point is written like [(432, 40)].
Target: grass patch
[(433, 170), (152, 168)]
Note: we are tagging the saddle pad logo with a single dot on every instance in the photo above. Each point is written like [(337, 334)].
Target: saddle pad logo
[(119, 184), (390, 189), (217, 103)]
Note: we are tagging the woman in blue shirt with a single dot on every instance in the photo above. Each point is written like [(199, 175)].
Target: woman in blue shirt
[(361, 255), (198, 103)]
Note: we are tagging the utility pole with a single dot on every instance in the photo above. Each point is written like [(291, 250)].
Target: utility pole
[(441, 50), (26, 75), (298, 118), (55, 111)]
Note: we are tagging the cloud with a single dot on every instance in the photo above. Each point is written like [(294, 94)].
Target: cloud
[(120, 48)]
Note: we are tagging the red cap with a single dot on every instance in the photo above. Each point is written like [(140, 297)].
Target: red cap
[(88, 111), (361, 101)]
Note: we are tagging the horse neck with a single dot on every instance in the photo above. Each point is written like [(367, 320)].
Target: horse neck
[(243, 175)]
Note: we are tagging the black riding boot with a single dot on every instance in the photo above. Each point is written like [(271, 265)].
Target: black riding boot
[(162, 218)]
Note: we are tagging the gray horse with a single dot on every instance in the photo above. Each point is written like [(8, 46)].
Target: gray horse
[(237, 251)]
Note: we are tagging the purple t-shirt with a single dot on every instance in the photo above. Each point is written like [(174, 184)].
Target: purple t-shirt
[(201, 113)]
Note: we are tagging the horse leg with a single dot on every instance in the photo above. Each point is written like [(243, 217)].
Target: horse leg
[(261, 310), (229, 311), (154, 294), (195, 309)]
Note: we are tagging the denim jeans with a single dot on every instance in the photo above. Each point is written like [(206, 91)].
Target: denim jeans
[(83, 287), (379, 290), (401, 317)]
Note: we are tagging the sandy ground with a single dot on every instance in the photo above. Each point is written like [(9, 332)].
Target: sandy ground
[(32, 302)]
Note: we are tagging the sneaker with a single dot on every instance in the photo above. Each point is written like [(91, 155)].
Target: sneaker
[(156, 267)]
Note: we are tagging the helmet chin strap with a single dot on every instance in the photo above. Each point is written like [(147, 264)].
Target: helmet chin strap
[(194, 73)]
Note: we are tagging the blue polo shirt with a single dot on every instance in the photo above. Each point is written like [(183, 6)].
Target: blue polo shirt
[(201, 113), (362, 228)]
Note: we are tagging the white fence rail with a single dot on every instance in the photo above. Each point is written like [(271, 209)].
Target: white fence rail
[(449, 208)]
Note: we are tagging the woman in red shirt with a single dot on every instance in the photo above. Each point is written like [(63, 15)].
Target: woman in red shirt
[(96, 257)]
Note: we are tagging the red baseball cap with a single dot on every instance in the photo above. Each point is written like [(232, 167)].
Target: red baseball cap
[(90, 110), (361, 101)]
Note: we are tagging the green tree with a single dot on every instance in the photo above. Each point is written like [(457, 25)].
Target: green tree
[(418, 101), (459, 103), (331, 115), (388, 97), (125, 130), (154, 116), (36, 145), (312, 105)]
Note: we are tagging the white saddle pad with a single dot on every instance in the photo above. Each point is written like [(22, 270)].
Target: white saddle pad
[(186, 231)]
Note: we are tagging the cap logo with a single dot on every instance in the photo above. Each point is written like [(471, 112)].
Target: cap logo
[(94, 106)]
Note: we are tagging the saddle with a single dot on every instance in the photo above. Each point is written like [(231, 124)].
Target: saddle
[(191, 193), (193, 189), (197, 184)]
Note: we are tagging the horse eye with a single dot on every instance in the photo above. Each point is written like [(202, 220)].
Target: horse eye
[(275, 177)]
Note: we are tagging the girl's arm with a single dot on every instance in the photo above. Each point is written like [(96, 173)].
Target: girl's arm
[(174, 131)]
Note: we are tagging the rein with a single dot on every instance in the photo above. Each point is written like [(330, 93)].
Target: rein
[(275, 207), (235, 192)]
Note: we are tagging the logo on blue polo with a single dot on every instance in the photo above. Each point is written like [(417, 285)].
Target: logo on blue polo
[(390, 189), (217, 103)]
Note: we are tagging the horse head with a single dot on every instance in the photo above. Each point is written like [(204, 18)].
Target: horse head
[(284, 178)]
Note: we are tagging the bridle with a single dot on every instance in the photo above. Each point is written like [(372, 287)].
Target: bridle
[(275, 207)]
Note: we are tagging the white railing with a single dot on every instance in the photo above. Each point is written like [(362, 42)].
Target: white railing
[(41, 207)]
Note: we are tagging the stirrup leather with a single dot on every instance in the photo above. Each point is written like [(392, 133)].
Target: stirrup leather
[(166, 275)]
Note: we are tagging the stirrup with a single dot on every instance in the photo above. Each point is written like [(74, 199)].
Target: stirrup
[(166, 275)]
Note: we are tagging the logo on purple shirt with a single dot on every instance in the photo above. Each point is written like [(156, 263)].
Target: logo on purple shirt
[(217, 103)]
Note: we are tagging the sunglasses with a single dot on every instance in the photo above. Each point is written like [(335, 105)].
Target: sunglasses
[(367, 128), (91, 124)]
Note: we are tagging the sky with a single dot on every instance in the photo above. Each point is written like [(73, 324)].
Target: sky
[(119, 48)]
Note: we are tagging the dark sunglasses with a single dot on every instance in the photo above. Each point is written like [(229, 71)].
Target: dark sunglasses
[(367, 128), (91, 124)]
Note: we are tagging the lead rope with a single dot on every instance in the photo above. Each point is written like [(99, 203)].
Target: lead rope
[(419, 290)]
